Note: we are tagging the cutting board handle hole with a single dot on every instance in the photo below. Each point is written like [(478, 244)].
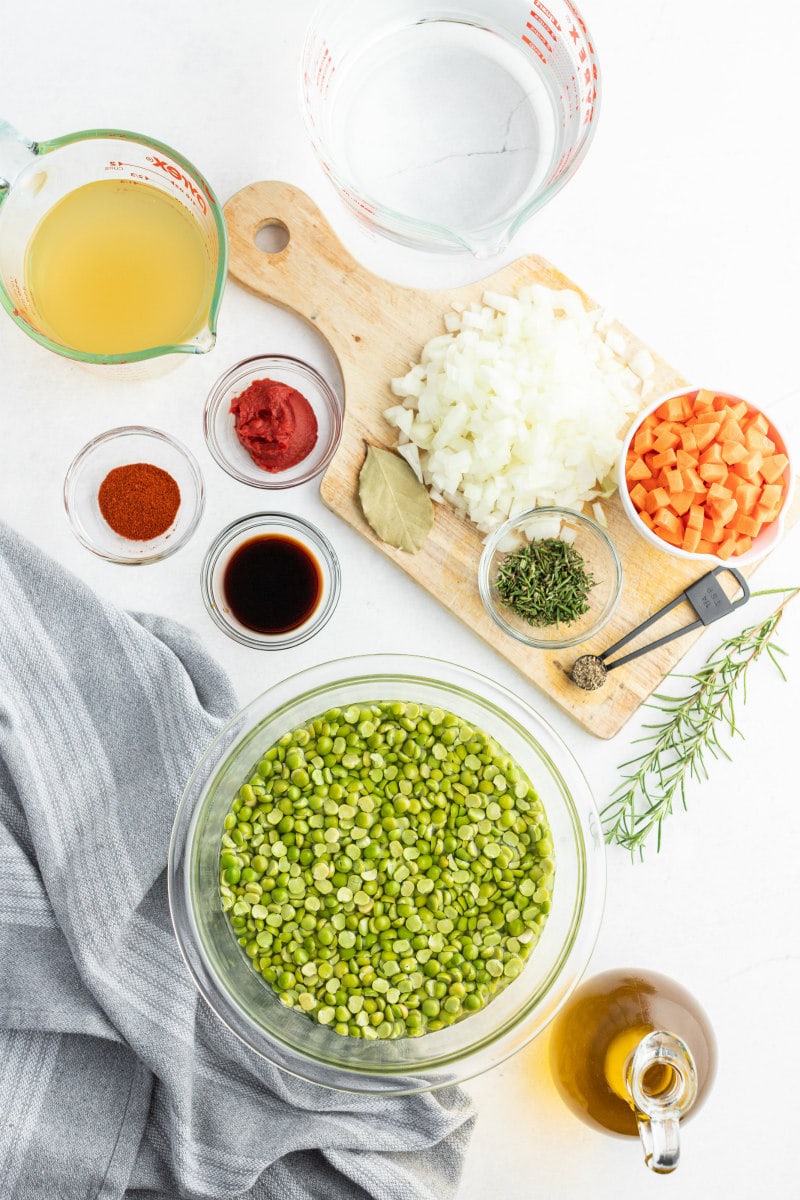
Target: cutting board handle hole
[(272, 237)]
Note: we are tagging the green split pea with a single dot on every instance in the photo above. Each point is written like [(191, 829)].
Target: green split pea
[(387, 868)]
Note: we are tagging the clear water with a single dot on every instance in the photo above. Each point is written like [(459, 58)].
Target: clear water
[(447, 123)]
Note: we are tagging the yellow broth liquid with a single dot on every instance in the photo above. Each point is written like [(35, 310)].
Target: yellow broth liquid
[(118, 266)]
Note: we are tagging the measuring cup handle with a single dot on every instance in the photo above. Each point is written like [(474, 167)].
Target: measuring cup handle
[(15, 154), (312, 274)]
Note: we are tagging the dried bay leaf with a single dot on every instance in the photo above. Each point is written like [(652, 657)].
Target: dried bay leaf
[(394, 501)]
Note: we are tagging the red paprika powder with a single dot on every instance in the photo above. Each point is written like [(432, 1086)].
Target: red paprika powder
[(139, 501)]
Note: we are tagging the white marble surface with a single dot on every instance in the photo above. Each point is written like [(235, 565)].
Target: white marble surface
[(682, 221)]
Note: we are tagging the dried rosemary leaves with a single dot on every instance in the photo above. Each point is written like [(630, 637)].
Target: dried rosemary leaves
[(545, 582)]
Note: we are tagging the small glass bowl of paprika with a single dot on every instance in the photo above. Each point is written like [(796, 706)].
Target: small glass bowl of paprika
[(272, 421), (133, 495)]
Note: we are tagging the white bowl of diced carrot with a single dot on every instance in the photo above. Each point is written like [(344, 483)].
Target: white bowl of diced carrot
[(706, 475)]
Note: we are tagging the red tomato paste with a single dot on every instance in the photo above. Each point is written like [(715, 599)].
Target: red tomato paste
[(275, 424)]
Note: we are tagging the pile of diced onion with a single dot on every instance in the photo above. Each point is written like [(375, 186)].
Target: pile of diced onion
[(523, 402)]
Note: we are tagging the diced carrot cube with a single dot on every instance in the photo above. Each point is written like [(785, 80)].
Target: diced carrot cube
[(733, 452), (725, 509), (717, 491), (665, 458), (678, 408), (638, 495), (712, 530), (643, 441), (646, 519), (666, 518), (704, 433), (666, 439), (750, 468), (750, 526), (738, 411), (691, 540), (767, 515), (674, 481), (757, 421), (638, 469), (694, 481), (712, 453), (731, 431), (727, 548), (650, 421), (683, 458), (746, 495), (712, 472), (704, 400), (688, 439), (695, 518), (756, 440), (773, 467), (681, 502), (720, 402), (772, 495), (705, 547)]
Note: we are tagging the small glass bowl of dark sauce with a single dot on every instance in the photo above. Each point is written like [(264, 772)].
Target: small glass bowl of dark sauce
[(270, 581)]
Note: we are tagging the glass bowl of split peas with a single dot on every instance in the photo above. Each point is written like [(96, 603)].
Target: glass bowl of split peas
[(386, 875), (705, 475)]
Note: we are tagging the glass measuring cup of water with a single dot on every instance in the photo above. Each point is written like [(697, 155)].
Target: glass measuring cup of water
[(445, 128), (113, 248)]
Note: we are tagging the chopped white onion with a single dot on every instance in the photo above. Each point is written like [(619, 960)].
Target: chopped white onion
[(519, 405)]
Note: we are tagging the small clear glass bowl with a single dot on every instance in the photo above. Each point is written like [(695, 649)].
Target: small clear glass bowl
[(243, 999), (121, 447), (245, 529), (595, 548), (220, 433)]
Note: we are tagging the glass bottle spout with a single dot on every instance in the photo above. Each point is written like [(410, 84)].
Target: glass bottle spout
[(662, 1081)]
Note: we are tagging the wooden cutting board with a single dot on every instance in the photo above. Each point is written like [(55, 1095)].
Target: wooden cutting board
[(376, 330)]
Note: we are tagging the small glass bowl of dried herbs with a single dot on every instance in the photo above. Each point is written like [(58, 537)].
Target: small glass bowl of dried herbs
[(550, 577)]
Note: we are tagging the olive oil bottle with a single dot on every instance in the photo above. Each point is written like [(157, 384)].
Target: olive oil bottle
[(633, 1052)]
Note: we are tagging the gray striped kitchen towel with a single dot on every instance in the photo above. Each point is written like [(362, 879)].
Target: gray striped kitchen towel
[(115, 1078)]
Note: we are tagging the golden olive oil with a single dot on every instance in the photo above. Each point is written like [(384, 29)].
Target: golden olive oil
[(119, 266), (593, 1037)]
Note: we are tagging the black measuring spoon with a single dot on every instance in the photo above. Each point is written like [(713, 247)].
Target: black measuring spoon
[(709, 601)]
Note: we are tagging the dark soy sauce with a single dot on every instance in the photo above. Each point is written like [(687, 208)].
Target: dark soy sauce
[(272, 584)]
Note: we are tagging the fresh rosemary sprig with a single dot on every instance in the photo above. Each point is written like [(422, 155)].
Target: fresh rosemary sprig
[(679, 744), (545, 582)]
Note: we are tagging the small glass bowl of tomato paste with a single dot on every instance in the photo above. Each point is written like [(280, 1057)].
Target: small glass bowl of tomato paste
[(272, 421)]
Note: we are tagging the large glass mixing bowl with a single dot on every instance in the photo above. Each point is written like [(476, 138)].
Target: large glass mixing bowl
[(290, 1039)]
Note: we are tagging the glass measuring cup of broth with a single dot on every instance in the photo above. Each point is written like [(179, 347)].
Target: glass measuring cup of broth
[(445, 127), (113, 247)]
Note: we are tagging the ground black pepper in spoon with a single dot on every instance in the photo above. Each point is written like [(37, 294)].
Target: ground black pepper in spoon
[(589, 672), (709, 601)]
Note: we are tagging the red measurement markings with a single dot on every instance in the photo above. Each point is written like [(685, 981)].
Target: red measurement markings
[(547, 13), (534, 48), (536, 33), (551, 33), (177, 174), (325, 69), (360, 207)]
